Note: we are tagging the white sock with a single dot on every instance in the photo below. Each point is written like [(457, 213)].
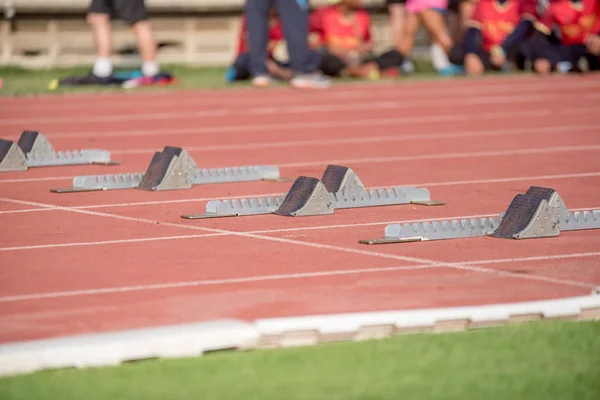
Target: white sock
[(408, 67), (103, 67), (439, 59), (150, 68)]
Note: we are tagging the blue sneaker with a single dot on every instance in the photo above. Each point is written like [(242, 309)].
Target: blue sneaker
[(452, 70), (230, 75)]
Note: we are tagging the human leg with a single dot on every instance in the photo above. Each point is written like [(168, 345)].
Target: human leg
[(99, 15)]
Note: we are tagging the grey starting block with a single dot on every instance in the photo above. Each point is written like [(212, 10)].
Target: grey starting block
[(172, 169), (344, 190), (539, 213), (34, 150)]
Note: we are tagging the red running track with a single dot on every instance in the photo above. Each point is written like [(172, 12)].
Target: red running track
[(89, 262)]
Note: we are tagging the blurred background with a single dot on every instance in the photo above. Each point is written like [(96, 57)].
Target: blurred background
[(203, 33)]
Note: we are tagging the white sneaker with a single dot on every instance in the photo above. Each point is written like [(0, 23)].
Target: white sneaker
[(311, 81), (262, 81)]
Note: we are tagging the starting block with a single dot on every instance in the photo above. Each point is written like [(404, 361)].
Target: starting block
[(34, 150), (172, 169), (539, 213), (339, 188)]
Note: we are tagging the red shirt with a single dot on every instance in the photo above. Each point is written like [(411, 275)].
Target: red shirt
[(275, 36), (329, 23), (575, 21), (496, 21)]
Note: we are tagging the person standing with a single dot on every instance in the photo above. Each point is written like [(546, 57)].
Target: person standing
[(294, 17), (135, 14)]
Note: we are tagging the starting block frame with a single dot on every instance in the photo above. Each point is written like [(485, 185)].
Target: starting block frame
[(344, 191), (539, 213), (34, 150), (172, 169)]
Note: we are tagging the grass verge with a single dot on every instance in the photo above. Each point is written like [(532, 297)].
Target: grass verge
[(544, 360), (22, 82)]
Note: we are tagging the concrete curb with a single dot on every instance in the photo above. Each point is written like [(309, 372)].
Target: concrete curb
[(193, 340)]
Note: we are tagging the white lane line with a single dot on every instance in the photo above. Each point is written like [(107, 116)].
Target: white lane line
[(546, 130), (263, 231), (301, 125), (305, 244), (172, 285), (428, 184), (260, 278), (239, 99), (440, 156), (444, 156), (275, 110)]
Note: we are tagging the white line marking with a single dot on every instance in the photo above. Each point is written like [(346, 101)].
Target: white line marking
[(305, 244), (105, 242), (444, 156), (264, 231), (536, 258), (238, 98), (245, 128), (350, 106), (172, 285), (226, 281), (428, 184), (376, 139)]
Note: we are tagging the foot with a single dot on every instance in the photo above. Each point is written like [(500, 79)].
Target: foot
[(452, 70), (262, 81), (311, 81), (230, 75)]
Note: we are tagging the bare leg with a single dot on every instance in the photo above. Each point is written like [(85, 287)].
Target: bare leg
[(542, 66), (147, 46), (411, 27), (473, 65), (101, 30), (436, 25), (397, 16)]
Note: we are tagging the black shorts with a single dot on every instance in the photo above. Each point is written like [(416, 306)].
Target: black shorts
[(390, 2), (332, 65), (130, 11), (457, 57)]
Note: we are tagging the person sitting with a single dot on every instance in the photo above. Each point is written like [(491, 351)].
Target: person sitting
[(346, 46), (278, 69), (578, 22), (497, 28), (429, 13), (134, 13)]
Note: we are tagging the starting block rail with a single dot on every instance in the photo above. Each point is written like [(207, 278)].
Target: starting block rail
[(539, 213), (34, 150), (172, 169), (350, 193)]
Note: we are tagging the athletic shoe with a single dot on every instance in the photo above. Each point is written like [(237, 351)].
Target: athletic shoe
[(310, 81), (452, 70), (230, 74), (262, 81), (564, 67)]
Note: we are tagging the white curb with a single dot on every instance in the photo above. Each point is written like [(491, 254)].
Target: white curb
[(192, 340)]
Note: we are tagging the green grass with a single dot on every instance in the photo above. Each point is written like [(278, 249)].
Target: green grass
[(546, 360), (20, 82)]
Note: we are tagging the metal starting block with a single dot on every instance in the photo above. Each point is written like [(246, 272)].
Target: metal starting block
[(539, 213), (172, 169), (342, 186), (34, 150)]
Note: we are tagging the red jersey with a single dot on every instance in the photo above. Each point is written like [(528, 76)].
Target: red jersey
[(496, 21), (334, 30), (574, 20), (275, 36)]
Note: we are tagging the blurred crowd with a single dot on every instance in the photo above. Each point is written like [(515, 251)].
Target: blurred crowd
[(287, 40)]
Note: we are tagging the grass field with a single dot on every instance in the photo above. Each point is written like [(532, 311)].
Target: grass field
[(19, 82), (545, 360)]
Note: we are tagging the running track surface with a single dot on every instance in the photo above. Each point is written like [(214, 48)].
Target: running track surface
[(91, 262)]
